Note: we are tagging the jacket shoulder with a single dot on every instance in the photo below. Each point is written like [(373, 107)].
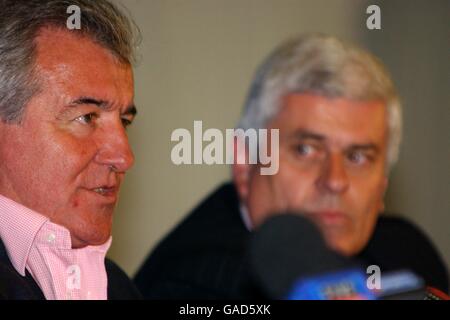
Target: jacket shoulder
[(199, 257), (120, 287)]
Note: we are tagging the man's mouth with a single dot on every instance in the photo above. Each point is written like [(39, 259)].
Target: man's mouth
[(329, 217), (104, 191), (109, 193)]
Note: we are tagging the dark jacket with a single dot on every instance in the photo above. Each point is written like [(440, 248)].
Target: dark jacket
[(204, 256), (13, 286)]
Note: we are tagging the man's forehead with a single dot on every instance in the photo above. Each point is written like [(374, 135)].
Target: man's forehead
[(78, 67), (57, 43), (332, 117), (59, 48), (312, 100)]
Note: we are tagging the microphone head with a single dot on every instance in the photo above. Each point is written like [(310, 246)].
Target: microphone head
[(288, 247)]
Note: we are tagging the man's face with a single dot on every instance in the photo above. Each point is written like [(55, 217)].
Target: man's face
[(68, 156), (331, 168)]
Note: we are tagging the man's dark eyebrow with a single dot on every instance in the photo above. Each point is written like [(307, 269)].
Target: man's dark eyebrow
[(88, 100), (131, 110), (365, 147), (102, 104), (306, 134)]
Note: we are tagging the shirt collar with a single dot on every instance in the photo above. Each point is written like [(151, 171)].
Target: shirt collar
[(21, 228), (18, 228), (245, 217)]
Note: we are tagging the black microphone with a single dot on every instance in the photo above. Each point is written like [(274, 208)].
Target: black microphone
[(288, 247), (289, 259)]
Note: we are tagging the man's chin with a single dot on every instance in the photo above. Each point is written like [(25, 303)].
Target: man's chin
[(342, 245), (90, 239)]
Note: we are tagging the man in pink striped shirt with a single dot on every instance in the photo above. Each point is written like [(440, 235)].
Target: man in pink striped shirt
[(66, 99)]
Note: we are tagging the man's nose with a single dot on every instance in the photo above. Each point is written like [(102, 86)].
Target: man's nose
[(114, 149), (333, 176)]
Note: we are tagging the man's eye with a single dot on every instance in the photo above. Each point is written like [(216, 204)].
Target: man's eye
[(87, 118), (304, 149), (357, 157)]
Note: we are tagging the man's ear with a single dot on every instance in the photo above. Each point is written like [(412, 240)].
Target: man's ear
[(241, 178), (384, 189), (241, 172)]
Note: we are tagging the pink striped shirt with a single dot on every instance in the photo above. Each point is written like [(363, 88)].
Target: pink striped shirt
[(43, 248)]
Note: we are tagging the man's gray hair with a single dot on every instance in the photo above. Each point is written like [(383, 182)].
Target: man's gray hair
[(327, 66), (20, 23)]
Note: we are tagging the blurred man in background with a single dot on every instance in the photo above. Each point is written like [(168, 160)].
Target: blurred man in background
[(339, 121)]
